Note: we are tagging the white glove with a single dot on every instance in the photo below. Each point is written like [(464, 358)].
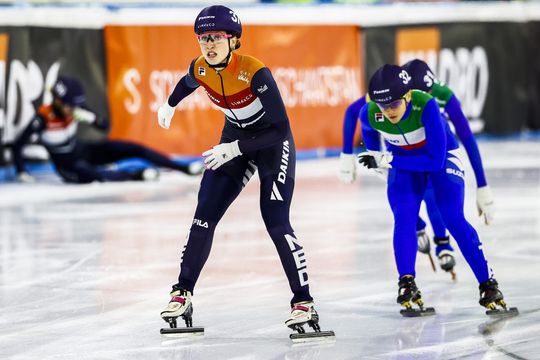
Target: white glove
[(165, 113), (382, 159), (83, 115), (220, 154), (347, 168), (26, 178), (484, 203)]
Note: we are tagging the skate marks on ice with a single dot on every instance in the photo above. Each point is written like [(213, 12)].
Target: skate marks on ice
[(491, 328)]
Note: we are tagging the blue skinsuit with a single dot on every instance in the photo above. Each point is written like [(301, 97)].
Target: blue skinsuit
[(412, 169)]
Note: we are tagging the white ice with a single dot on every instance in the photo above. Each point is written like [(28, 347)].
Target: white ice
[(85, 271)]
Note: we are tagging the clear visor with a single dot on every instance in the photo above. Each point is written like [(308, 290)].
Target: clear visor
[(213, 37), (393, 105)]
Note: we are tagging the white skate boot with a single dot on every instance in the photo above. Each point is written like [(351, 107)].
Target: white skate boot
[(424, 246), (304, 313), (179, 305)]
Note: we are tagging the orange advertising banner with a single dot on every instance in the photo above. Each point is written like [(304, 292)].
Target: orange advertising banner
[(418, 43), (318, 70)]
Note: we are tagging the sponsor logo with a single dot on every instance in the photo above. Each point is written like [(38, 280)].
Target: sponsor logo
[(262, 89), (383, 100), (201, 71), (282, 175), (455, 172), (240, 102), (381, 91), (212, 98), (207, 17), (416, 108), (379, 117), (299, 258), (244, 76), (200, 223)]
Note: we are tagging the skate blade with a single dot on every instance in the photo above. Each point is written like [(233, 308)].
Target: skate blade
[(429, 311), (313, 336), (513, 311), (182, 332)]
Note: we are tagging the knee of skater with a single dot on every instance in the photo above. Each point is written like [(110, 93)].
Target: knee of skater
[(280, 230)]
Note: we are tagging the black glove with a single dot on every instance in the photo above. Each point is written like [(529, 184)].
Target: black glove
[(367, 160)]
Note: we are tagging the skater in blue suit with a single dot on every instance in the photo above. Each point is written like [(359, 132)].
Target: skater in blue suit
[(423, 79), (420, 149)]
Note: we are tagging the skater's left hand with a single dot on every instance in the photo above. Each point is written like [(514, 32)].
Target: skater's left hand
[(484, 203), (220, 154)]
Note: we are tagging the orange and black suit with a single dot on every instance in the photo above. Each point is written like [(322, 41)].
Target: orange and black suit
[(255, 115)]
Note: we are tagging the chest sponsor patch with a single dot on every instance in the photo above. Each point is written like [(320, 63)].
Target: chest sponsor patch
[(379, 117), (201, 71)]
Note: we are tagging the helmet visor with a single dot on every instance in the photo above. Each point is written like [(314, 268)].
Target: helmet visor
[(391, 105), (215, 37)]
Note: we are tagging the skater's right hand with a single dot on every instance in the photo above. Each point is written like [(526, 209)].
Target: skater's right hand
[(165, 114), (347, 168), (376, 159)]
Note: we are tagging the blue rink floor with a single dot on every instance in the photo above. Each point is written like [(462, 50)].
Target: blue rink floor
[(85, 270)]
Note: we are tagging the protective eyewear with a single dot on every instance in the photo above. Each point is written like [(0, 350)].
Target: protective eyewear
[(213, 37), (393, 105)]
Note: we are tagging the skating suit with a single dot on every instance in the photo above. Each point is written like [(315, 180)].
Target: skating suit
[(424, 150), (79, 161), (255, 115)]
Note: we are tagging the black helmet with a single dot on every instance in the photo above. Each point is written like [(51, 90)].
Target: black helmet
[(218, 18), (422, 76), (69, 91), (388, 84)]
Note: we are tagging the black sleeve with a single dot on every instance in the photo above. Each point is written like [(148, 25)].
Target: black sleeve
[(264, 86), (35, 126), (185, 86)]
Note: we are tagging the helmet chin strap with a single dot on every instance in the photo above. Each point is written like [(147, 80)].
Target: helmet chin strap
[(225, 62)]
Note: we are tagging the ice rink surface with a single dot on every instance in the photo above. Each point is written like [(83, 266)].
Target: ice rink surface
[(85, 271)]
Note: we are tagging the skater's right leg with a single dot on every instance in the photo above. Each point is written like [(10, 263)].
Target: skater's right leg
[(218, 190), (405, 192)]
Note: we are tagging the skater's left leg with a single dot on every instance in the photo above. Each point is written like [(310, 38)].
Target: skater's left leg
[(449, 191), (443, 249), (275, 201), (277, 171)]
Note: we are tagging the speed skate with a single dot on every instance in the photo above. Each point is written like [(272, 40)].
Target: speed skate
[(304, 313), (175, 331), (180, 306)]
